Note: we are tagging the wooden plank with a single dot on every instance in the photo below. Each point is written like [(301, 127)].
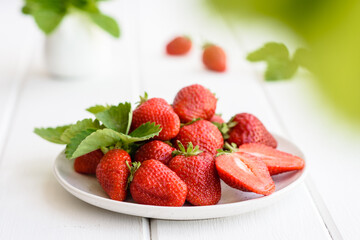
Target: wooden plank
[(32, 202), (238, 91)]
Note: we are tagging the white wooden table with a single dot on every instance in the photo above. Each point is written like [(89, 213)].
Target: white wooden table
[(33, 205)]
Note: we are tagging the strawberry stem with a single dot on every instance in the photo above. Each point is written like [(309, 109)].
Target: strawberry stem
[(190, 151), (142, 99), (232, 148), (133, 168)]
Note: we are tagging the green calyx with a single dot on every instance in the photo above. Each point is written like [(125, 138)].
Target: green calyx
[(190, 151), (224, 128), (227, 149), (142, 99), (133, 168), (191, 122)]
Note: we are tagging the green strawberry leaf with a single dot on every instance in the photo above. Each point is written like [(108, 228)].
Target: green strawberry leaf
[(146, 131), (78, 127), (117, 118), (76, 141), (97, 108), (90, 140), (106, 23), (52, 134), (47, 19)]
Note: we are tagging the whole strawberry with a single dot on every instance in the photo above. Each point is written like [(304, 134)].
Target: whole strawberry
[(249, 129), (244, 172), (202, 133), (87, 163), (197, 169), (112, 173), (159, 111), (156, 149), (179, 46), (156, 184), (194, 101), (214, 58)]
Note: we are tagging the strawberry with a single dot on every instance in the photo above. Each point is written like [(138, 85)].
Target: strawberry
[(179, 46), (249, 129), (197, 169), (194, 101), (275, 160), (245, 172), (159, 111), (156, 184), (214, 58), (217, 119), (202, 133), (112, 173), (87, 163), (156, 149)]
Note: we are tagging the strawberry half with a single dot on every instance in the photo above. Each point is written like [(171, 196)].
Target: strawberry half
[(245, 172), (249, 129), (87, 163), (194, 101), (276, 161), (112, 173), (197, 169), (156, 149), (201, 133), (157, 110), (156, 184)]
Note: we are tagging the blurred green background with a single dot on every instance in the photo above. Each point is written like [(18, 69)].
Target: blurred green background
[(331, 30)]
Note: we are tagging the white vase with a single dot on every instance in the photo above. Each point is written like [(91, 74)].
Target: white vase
[(77, 48)]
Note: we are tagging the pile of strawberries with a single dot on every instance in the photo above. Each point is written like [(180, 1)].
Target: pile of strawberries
[(186, 161)]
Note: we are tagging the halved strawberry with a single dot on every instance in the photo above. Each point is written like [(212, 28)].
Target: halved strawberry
[(276, 161), (245, 172)]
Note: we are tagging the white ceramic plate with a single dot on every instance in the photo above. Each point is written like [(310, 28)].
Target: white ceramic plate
[(233, 201)]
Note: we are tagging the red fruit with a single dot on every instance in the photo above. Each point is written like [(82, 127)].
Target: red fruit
[(217, 118), (194, 101), (112, 173), (245, 172), (249, 129), (179, 46), (155, 184), (275, 160), (199, 174), (214, 58), (87, 163), (202, 133), (159, 111), (157, 150)]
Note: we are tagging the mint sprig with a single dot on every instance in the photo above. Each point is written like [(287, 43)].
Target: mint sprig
[(48, 14), (279, 64), (78, 127), (52, 134), (97, 108)]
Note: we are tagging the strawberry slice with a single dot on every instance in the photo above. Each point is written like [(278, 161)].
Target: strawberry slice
[(245, 172), (276, 161)]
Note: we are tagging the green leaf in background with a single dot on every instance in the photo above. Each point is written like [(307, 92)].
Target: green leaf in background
[(146, 131), (97, 108), (76, 141), (117, 117), (52, 134), (279, 64), (304, 59), (106, 23), (47, 19), (78, 127)]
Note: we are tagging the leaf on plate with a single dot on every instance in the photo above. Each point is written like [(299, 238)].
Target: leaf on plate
[(78, 127), (117, 117), (146, 131), (97, 108), (52, 134), (76, 141)]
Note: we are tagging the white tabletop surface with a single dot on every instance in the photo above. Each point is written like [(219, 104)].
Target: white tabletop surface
[(33, 205)]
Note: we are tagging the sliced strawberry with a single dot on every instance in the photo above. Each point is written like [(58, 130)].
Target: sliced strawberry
[(276, 161), (245, 172)]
